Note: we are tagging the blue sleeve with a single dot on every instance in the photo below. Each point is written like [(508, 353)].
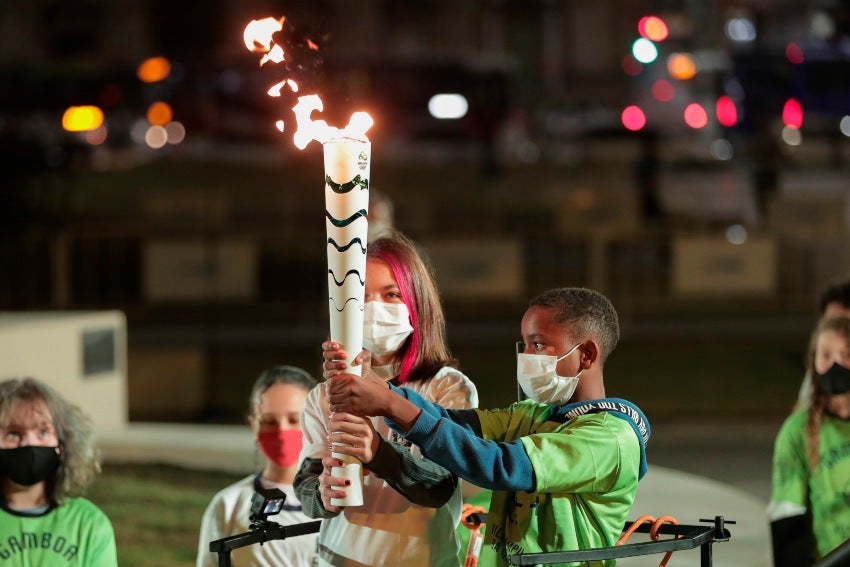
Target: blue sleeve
[(452, 438)]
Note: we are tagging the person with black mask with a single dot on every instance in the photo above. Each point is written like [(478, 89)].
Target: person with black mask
[(47, 457), (808, 511)]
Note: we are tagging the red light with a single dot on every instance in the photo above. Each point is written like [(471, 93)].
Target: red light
[(727, 113), (631, 66), (695, 116), (662, 90), (792, 113), (633, 118), (794, 53), (652, 28)]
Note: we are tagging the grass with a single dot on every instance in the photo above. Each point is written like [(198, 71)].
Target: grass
[(156, 511)]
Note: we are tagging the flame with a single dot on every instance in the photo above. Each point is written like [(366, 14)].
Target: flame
[(275, 90), (258, 37)]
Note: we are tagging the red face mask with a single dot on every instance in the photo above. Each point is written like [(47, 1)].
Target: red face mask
[(281, 446)]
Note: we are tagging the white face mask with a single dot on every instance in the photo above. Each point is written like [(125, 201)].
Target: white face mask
[(385, 327), (538, 379)]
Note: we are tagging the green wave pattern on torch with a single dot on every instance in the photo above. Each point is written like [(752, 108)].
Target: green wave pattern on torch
[(340, 223), (348, 273), (349, 245), (348, 185), (344, 305)]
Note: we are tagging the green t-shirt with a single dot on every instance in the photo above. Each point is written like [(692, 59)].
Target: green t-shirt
[(824, 490), (586, 471), (75, 534)]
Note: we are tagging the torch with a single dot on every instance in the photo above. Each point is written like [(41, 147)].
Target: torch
[(347, 157), (346, 203)]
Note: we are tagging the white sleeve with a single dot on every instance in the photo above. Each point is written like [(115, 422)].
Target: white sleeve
[(314, 426), (211, 530)]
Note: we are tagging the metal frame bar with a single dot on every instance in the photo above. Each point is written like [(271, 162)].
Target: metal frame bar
[(689, 537), (264, 532)]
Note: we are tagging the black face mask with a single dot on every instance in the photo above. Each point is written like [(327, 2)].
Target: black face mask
[(29, 464), (836, 380)]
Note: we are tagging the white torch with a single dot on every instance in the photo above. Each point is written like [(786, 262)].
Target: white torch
[(346, 203), (347, 155)]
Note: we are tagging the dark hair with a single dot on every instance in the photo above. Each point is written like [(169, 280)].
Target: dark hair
[(819, 399), (281, 374), (426, 350), (587, 313), (837, 292), (80, 458)]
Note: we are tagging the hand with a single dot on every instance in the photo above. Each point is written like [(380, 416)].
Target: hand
[(353, 435), (365, 396), (331, 486), (335, 360)]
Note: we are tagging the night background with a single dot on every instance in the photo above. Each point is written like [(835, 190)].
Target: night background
[(687, 158), (692, 167)]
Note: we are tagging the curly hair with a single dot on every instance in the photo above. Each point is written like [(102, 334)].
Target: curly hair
[(587, 314), (79, 457), (819, 401)]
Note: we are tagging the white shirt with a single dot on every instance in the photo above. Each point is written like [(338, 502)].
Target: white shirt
[(388, 530), (228, 514)]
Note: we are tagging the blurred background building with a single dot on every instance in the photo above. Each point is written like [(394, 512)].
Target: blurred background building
[(687, 158)]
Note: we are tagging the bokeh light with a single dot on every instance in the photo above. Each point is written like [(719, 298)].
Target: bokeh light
[(82, 118), (792, 113), (633, 118), (741, 30), (175, 132), (736, 234), (154, 69), (159, 113), (722, 149), (156, 137), (631, 66), (726, 111), (844, 125), (644, 50), (792, 136), (794, 53), (681, 66), (695, 116), (662, 90), (653, 28), (448, 106), (97, 136)]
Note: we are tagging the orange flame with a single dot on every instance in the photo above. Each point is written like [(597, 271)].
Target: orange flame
[(258, 37)]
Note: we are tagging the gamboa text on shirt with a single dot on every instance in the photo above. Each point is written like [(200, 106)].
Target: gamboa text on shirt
[(11, 545)]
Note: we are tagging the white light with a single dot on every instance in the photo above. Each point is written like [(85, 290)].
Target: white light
[(822, 25), (156, 137), (792, 136), (644, 50), (448, 106), (721, 150), (740, 29), (139, 130), (736, 234), (175, 132), (844, 126)]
